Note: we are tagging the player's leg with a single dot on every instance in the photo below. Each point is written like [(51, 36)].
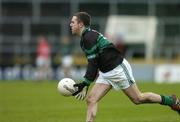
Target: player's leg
[(138, 97), (131, 90), (98, 91)]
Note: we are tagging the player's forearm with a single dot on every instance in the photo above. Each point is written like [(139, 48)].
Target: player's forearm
[(91, 72)]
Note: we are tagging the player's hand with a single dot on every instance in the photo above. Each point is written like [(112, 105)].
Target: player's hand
[(81, 93)]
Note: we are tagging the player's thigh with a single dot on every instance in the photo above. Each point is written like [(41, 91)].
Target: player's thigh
[(98, 91), (132, 92)]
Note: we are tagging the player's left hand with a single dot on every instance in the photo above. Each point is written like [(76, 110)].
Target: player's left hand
[(81, 93)]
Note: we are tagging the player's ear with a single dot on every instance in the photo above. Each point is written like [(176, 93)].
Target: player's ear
[(81, 24)]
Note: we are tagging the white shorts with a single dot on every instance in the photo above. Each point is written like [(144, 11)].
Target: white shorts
[(120, 77), (41, 62), (67, 61)]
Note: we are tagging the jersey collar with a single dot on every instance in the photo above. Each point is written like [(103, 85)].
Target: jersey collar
[(85, 29)]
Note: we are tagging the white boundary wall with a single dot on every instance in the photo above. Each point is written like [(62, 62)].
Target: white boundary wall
[(162, 73), (133, 30), (167, 73)]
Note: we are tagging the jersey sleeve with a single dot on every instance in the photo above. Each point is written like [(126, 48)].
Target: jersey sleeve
[(91, 51), (91, 71)]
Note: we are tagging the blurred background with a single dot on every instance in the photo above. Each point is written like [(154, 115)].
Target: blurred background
[(36, 44)]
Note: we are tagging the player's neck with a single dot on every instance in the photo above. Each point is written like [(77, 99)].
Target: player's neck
[(82, 30)]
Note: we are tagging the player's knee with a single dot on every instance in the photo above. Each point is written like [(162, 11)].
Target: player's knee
[(90, 100), (136, 100)]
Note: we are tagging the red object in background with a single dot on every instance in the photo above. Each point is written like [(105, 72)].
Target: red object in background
[(43, 49)]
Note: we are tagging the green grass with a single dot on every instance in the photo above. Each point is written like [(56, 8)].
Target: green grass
[(40, 102)]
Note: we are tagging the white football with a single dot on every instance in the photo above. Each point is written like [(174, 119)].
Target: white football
[(65, 86)]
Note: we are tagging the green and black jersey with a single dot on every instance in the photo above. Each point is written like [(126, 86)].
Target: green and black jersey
[(100, 52)]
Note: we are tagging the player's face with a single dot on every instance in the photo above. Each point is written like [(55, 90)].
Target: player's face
[(74, 25)]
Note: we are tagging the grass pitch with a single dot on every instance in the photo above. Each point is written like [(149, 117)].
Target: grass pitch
[(40, 102)]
